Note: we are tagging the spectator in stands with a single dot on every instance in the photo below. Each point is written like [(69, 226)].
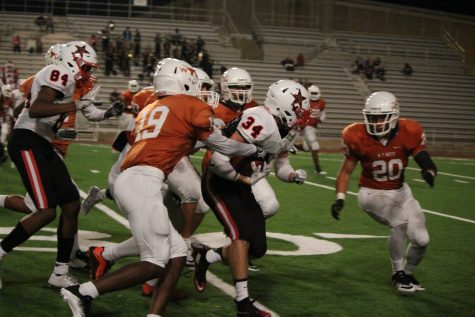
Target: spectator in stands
[(16, 43), (41, 22), (368, 69), (105, 39), (31, 45), (380, 72), (39, 44), (205, 63), (177, 38), (109, 62), (137, 46), (158, 45), (126, 34), (110, 26), (167, 45), (300, 60), (288, 64), (200, 44), (407, 69), (93, 41), (185, 51), (358, 66), (222, 69), (50, 24)]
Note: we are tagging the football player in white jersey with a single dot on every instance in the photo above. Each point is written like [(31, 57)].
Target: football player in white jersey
[(227, 188), (43, 171)]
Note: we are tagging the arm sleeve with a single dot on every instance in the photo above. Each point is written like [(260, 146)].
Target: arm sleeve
[(322, 116), (221, 166), (425, 162), (94, 114), (217, 142), (283, 169)]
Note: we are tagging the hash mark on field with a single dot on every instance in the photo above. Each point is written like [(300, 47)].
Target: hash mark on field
[(460, 181), (418, 180)]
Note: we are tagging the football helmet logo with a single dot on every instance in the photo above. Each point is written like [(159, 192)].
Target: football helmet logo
[(173, 77), (287, 100), (79, 58), (52, 55)]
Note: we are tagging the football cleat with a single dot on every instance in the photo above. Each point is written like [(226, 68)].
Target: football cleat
[(415, 283), (402, 283), (321, 172), (246, 308), (80, 261), (90, 200), (147, 289), (62, 280), (201, 267), (252, 267), (79, 304), (99, 265)]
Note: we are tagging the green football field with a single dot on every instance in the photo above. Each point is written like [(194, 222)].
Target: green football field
[(315, 265)]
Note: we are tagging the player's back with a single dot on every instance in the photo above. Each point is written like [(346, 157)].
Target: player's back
[(167, 130)]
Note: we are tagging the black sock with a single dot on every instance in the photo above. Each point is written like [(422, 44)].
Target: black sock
[(65, 246), (15, 238), (108, 194)]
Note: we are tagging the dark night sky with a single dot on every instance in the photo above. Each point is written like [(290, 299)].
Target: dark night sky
[(466, 7)]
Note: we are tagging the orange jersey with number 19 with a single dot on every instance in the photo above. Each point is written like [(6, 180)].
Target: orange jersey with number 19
[(167, 130), (383, 165)]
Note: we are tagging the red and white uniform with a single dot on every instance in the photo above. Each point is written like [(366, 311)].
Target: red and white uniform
[(383, 193), (310, 131)]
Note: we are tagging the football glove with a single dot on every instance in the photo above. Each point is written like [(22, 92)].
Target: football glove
[(429, 177), (300, 176), (258, 173), (67, 134), (116, 109), (337, 208)]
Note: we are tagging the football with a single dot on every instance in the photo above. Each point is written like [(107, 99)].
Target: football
[(244, 164)]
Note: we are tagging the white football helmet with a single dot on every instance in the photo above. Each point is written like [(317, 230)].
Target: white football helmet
[(206, 88), (133, 86), (236, 86), (287, 100), (52, 55), (7, 91), (314, 92), (173, 77), (79, 58), (381, 113)]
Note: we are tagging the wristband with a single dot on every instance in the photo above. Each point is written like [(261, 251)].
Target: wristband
[(340, 196)]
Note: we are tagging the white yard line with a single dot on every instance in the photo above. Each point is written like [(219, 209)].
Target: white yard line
[(212, 278)]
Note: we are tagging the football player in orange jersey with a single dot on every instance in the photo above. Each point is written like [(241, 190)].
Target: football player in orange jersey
[(383, 145), (166, 130), (126, 96), (317, 104)]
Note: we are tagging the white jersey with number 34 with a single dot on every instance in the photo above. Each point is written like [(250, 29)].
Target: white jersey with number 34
[(58, 78)]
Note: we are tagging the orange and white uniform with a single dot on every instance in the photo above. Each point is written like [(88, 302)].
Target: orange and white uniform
[(166, 131)]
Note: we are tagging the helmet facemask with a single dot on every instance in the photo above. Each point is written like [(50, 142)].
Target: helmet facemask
[(381, 113)]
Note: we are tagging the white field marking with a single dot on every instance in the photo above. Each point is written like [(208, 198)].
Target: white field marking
[(442, 173), (331, 178), (213, 279), (459, 181), (95, 171), (418, 180), (425, 210), (347, 236)]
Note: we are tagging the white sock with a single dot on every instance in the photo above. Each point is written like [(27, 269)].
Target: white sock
[(61, 268), (212, 256), (153, 315), (241, 290), (88, 289), (118, 251), (153, 282), (2, 200), (188, 245), (102, 194)]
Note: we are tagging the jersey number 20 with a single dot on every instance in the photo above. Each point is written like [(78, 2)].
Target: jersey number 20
[(384, 171)]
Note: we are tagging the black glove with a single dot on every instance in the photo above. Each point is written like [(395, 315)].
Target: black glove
[(429, 177), (115, 109), (67, 134), (337, 207)]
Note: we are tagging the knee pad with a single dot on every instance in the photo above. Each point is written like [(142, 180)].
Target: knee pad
[(421, 240)]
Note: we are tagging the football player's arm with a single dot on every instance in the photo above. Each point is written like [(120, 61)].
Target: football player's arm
[(341, 186), (17, 110), (44, 105), (219, 143), (427, 165), (94, 114), (285, 172)]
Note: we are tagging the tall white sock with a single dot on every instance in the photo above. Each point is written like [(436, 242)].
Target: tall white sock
[(241, 290), (118, 251), (88, 289)]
